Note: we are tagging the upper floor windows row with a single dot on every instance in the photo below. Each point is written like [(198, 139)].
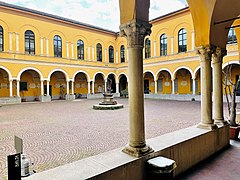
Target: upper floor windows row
[(30, 47), (182, 44)]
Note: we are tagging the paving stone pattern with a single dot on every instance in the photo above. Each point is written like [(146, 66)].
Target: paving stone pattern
[(61, 132)]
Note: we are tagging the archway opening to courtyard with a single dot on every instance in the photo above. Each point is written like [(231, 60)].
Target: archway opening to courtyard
[(112, 81), (57, 86), (183, 82), (99, 84), (80, 85), (164, 82), (123, 84), (30, 86), (197, 82), (149, 84), (4, 83)]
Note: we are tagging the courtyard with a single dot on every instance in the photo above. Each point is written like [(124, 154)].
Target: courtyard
[(61, 132)]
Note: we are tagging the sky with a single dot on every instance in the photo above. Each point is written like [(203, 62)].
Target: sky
[(100, 13)]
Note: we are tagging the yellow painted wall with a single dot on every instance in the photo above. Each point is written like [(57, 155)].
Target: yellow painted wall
[(80, 84)]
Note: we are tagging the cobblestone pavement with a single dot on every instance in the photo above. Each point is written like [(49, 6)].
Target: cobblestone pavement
[(60, 132)]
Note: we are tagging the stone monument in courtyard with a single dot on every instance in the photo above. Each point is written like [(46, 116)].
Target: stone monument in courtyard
[(108, 102)]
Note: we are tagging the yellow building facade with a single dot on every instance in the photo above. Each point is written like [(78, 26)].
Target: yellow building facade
[(46, 57)]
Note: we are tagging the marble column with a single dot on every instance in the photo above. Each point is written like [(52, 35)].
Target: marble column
[(89, 87), (173, 86), (72, 87), (194, 86), (11, 88), (217, 58), (156, 86), (48, 88), (42, 88), (67, 87), (117, 87), (135, 31), (92, 87), (18, 88), (105, 85), (205, 54)]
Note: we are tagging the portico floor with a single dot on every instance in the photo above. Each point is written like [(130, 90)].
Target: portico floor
[(61, 132)]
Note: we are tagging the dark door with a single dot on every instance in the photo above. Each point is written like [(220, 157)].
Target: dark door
[(146, 86)]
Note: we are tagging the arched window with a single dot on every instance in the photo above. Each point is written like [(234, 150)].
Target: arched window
[(182, 40), (1, 39), (111, 54), (57, 46), (232, 38), (80, 49), (147, 48), (122, 50), (163, 45), (99, 52), (29, 42)]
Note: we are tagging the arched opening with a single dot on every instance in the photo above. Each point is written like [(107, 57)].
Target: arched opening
[(112, 82), (198, 82), (123, 84), (57, 86), (4, 83), (183, 82), (233, 73), (164, 82), (80, 85), (149, 84), (99, 83), (30, 86)]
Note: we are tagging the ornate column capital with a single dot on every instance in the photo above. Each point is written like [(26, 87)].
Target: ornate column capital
[(218, 55), (205, 52), (135, 32)]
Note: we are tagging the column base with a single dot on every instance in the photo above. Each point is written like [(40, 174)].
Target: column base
[(45, 98), (207, 126), (220, 122), (137, 151), (70, 97)]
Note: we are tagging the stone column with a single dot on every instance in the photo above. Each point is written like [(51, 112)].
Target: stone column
[(41, 46), (17, 43), (42, 88), (173, 86), (72, 87), (194, 86), (117, 87), (67, 49), (156, 86), (154, 48), (48, 88), (10, 41), (135, 31), (92, 87), (47, 48), (217, 86), (105, 85), (67, 87), (89, 92), (10, 88), (205, 54), (18, 88)]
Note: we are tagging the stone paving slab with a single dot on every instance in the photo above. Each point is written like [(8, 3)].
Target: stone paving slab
[(61, 132)]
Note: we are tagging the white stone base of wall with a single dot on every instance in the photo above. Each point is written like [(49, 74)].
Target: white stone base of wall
[(10, 100), (175, 97), (70, 97), (45, 98)]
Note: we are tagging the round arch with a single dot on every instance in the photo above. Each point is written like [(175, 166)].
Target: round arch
[(195, 72), (30, 68), (122, 74), (84, 72), (182, 67), (99, 72), (115, 76), (55, 70), (9, 73), (163, 69), (149, 71), (229, 63)]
